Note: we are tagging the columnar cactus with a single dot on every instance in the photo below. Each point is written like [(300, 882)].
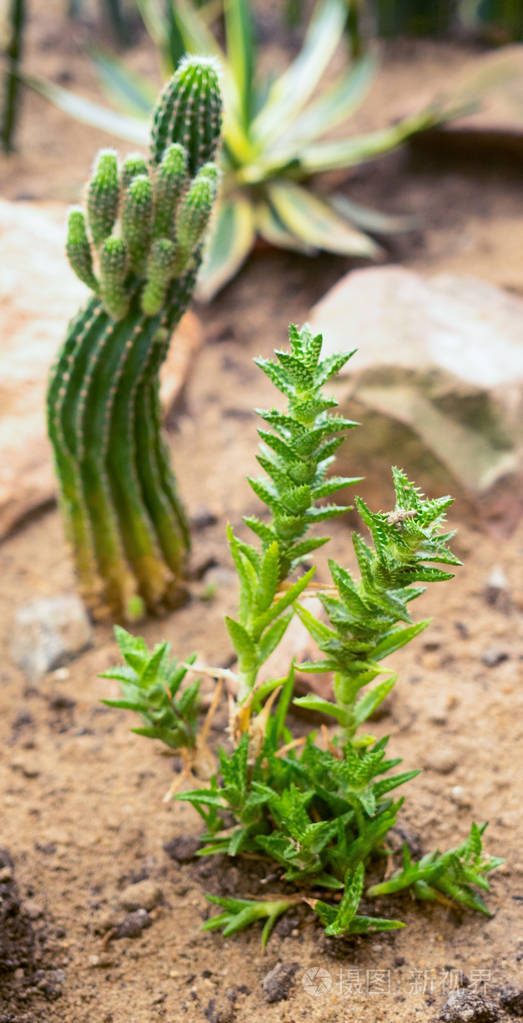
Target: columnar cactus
[(138, 250)]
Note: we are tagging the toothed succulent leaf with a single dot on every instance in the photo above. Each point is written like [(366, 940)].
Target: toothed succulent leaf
[(453, 875), (294, 456)]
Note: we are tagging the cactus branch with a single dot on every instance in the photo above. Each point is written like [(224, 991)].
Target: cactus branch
[(121, 508)]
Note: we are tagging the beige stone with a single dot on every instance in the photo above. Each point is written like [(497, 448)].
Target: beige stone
[(437, 380)]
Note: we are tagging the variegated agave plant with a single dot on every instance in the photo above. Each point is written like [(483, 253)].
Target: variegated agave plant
[(274, 134)]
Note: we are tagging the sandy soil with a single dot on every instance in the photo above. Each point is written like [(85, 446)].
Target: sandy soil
[(82, 811)]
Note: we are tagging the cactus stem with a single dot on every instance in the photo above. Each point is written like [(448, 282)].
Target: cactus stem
[(122, 512)]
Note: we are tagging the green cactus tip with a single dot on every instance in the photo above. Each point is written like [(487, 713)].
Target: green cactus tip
[(194, 87)]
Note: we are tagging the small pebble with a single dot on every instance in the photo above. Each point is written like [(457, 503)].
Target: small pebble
[(277, 982), (286, 924), (438, 716), (497, 592), (100, 961), (219, 1010), (133, 924), (23, 719), (61, 674), (32, 909), (443, 761), (107, 921), (431, 660), (432, 644), (51, 983), (57, 701), (462, 629), (26, 766), (203, 518), (460, 797), (142, 895), (494, 656), (182, 848)]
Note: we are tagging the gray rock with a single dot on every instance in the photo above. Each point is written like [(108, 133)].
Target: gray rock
[(48, 632), (464, 1006), (133, 924), (142, 895), (277, 982), (438, 373)]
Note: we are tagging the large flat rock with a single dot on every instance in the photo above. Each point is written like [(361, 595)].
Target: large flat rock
[(38, 295), (438, 377)]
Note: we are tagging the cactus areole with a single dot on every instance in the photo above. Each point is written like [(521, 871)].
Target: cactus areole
[(138, 249)]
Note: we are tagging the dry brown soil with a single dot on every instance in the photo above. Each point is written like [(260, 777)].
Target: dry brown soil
[(82, 813)]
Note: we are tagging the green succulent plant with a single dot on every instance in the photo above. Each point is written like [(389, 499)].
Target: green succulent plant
[(150, 683), (274, 134), (317, 809), (138, 250)]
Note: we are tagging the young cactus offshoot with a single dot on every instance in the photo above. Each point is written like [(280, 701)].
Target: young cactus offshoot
[(138, 249), (320, 809)]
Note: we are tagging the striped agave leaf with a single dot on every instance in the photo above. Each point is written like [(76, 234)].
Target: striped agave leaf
[(314, 222), (232, 236), (274, 132)]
